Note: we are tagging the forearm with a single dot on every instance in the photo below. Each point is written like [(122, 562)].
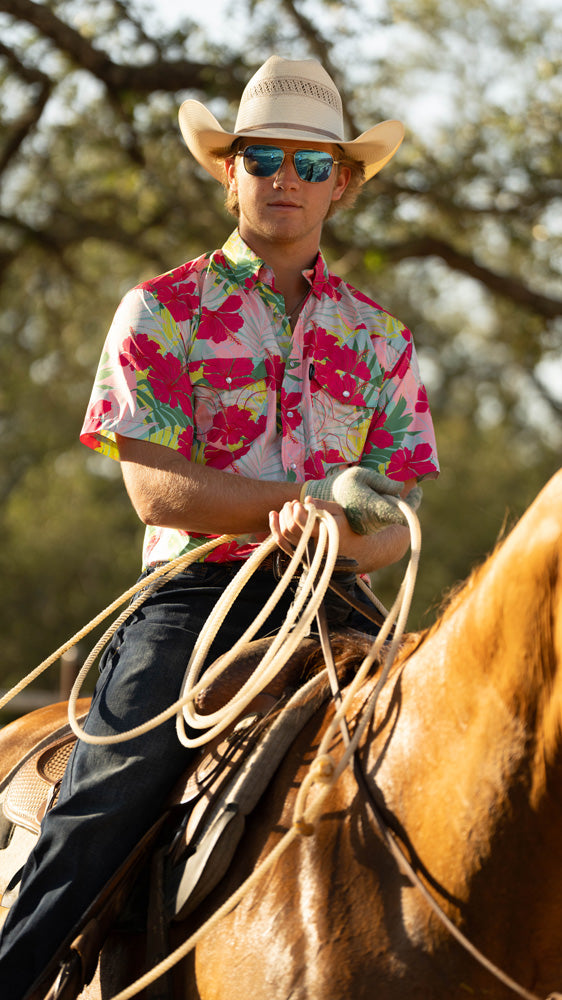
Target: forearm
[(168, 490), (373, 552), (370, 552)]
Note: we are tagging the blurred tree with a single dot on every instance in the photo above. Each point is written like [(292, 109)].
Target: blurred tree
[(458, 237)]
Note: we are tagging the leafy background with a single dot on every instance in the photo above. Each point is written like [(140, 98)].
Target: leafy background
[(459, 237)]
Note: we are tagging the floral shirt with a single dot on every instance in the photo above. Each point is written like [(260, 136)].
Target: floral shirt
[(202, 359)]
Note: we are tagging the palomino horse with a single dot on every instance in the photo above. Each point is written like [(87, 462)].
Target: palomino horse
[(464, 758)]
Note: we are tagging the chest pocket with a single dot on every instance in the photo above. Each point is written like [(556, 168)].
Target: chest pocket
[(340, 415), (230, 404)]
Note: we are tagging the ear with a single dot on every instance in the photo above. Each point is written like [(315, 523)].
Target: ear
[(230, 171), (343, 179)]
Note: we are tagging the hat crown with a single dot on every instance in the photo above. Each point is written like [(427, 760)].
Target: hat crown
[(288, 95)]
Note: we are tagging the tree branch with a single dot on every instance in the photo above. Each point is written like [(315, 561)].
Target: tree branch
[(16, 134), (24, 125), (159, 75), (322, 50), (508, 287), (504, 285)]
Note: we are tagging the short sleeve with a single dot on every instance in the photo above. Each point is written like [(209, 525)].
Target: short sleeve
[(142, 387)]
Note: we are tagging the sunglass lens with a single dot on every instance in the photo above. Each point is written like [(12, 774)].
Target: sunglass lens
[(313, 164), (263, 161)]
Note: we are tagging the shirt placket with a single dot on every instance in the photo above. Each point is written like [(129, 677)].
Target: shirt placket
[(294, 408)]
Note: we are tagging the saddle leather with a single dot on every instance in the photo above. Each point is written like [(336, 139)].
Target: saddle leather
[(201, 854), (35, 786)]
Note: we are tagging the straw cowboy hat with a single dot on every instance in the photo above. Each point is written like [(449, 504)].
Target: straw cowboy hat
[(287, 99)]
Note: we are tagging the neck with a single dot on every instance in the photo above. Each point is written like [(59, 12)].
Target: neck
[(286, 261)]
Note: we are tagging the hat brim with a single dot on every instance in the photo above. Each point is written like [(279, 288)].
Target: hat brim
[(203, 136)]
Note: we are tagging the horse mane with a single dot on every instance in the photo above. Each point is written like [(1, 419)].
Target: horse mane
[(454, 596), (541, 695)]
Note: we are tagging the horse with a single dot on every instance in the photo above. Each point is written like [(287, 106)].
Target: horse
[(462, 768)]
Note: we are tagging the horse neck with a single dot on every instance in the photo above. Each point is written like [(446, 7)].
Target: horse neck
[(466, 753), (502, 635)]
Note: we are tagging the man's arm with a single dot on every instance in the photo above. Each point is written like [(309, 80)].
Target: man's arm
[(168, 490)]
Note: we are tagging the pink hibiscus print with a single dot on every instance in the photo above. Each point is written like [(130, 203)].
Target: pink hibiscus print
[(324, 344), (95, 422), (341, 386), (179, 297), (347, 360), (328, 286), (221, 458), (401, 366), (378, 437), (315, 465), (222, 324), (234, 424), (422, 403), (345, 387), (98, 411), (140, 352), (167, 376), (171, 384), (275, 368), (185, 442), (230, 552), (406, 464), (290, 407)]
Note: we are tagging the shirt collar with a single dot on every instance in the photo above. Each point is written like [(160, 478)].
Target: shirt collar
[(246, 264)]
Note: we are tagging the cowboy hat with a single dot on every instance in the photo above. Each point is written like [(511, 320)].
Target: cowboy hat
[(287, 99)]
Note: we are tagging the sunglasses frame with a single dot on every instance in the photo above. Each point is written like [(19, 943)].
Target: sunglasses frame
[(287, 152)]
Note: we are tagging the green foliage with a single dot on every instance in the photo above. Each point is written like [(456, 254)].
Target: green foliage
[(457, 236)]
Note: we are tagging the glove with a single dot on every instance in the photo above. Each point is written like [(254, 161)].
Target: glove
[(361, 493)]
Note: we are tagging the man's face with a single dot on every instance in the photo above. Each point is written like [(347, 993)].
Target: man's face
[(282, 208)]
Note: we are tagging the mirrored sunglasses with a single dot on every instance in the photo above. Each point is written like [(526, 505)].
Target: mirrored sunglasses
[(312, 165)]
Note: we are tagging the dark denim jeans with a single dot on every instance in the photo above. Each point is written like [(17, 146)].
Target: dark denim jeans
[(111, 795)]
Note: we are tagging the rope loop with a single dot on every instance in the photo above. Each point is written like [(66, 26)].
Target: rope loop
[(322, 770)]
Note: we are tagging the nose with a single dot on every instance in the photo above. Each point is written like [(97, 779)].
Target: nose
[(287, 175)]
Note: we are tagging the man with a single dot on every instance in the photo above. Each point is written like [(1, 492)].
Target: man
[(230, 389)]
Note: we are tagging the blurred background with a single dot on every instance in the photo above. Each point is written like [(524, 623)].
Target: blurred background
[(460, 237)]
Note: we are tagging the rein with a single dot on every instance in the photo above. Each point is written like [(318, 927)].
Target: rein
[(391, 841), (389, 836)]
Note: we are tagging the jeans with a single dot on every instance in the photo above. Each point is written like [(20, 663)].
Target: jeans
[(110, 795)]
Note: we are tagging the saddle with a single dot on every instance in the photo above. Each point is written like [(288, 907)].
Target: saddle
[(27, 793), (194, 842)]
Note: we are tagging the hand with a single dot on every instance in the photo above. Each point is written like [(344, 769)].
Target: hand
[(362, 493), (286, 525)]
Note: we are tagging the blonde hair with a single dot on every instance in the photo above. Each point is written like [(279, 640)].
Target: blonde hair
[(347, 199)]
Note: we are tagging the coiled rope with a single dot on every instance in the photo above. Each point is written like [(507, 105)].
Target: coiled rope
[(284, 644), (323, 772)]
